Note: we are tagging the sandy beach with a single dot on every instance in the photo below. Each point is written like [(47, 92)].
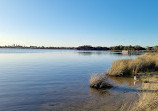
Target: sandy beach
[(148, 100)]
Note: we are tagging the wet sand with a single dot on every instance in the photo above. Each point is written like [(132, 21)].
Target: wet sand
[(148, 96)]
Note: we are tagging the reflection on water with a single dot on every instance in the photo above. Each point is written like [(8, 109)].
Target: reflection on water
[(32, 80), (89, 53), (125, 82)]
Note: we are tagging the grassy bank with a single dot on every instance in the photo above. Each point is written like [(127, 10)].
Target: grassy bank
[(126, 67), (129, 67)]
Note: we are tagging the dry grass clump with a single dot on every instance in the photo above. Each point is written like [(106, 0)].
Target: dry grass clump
[(142, 64), (95, 78), (156, 62), (127, 67), (99, 81), (120, 67)]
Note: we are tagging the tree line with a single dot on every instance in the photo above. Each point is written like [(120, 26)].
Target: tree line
[(119, 47)]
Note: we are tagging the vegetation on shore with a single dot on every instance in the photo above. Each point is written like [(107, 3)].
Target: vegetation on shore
[(126, 67), (129, 67), (88, 47), (118, 48), (99, 81)]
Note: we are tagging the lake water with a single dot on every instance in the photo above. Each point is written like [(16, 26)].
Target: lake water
[(58, 80)]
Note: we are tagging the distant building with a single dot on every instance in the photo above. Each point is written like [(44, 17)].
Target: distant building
[(125, 52)]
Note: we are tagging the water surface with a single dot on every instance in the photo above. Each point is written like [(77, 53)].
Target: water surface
[(41, 80)]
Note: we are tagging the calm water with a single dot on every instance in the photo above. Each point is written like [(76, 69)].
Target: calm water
[(41, 80)]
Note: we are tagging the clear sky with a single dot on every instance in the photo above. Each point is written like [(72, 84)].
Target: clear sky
[(79, 22)]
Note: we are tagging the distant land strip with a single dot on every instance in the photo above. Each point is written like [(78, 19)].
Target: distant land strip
[(89, 47)]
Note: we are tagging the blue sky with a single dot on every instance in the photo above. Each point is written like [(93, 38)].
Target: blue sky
[(79, 22)]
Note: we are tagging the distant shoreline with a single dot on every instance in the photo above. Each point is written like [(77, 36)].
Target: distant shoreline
[(119, 48)]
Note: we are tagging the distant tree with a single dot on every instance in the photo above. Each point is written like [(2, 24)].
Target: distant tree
[(130, 47), (149, 48), (137, 47), (125, 47), (85, 47), (121, 47), (156, 48), (89, 47)]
